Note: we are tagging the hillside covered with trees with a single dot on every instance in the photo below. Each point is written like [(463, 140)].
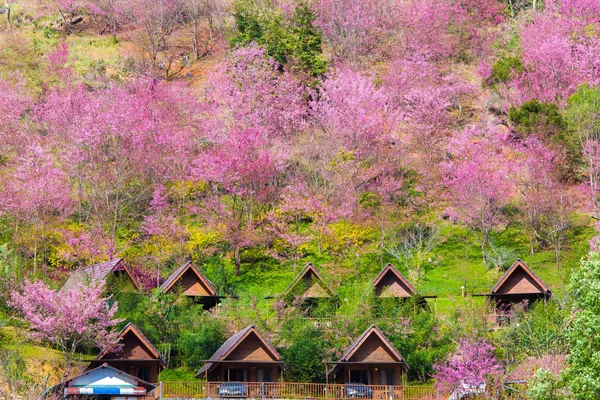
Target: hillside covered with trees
[(251, 137)]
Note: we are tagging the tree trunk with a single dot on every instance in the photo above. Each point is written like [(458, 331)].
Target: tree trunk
[(238, 262), (7, 8), (483, 242)]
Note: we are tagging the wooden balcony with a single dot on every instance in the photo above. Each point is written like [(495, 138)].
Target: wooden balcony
[(291, 390)]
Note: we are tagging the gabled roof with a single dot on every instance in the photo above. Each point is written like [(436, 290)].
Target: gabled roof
[(520, 265), (99, 272), (400, 285), (233, 342), (107, 368), (178, 274), (309, 272), (131, 328), (372, 330)]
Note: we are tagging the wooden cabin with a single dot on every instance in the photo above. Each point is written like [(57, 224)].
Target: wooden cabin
[(372, 359), (192, 283), (115, 270), (390, 283), (104, 383), (245, 357), (136, 356), (518, 284), (310, 286), (392, 293)]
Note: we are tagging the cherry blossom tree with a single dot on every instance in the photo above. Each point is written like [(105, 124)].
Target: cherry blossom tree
[(34, 192), (355, 29), (243, 171), (250, 91), (14, 103), (472, 364), (105, 138), (163, 230), (557, 52), (478, 182), (68, 319)]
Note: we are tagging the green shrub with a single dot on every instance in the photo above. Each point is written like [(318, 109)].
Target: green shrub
[(504, 68)]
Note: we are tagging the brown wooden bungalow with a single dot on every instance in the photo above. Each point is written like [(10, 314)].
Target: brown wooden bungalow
[(310, 285), (390, 283), (518, 284), (102, 272), (245, 357), (136, 356), (392, 290), (372, 359), (193, 284)]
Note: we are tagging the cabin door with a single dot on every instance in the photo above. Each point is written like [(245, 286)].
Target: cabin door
[(264, 375), (386, 376)]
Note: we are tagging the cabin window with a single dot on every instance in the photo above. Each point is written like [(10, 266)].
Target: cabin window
[(237, 375), (359, 376), (144, 373), (264, 375)]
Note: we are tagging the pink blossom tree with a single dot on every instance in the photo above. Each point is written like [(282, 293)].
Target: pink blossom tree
[(557, 52), (284, 223), (163, 230), (249, 91), (34, 192), (14, 103), (355, 29), (472, 364), (243, 172), (478, 182), (105, 138), (354, 146), (67, 319)]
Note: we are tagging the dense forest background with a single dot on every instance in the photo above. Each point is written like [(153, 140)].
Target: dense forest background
[(447, 137)]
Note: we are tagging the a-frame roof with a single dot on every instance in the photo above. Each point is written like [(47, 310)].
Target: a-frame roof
[(96, 273), (233, 342), (372, 330), (310, 272), (109, 371), (143, 340), (179, 273), (391, 283), (529, 283)]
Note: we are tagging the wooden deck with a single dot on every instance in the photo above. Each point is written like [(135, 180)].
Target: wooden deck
[(290, 390)]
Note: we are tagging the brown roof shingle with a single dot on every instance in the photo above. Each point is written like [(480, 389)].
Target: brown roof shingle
[(96, 273)]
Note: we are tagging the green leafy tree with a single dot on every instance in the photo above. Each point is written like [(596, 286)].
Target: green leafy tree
[(291, 40), (544, 386), (538, 118), (504, 69), (304, 357), (540, 331), (582, 112), (583, 334)]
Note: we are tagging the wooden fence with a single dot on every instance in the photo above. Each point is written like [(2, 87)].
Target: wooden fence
[(290, 390)]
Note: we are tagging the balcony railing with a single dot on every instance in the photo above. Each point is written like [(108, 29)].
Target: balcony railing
[(290, 390)]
